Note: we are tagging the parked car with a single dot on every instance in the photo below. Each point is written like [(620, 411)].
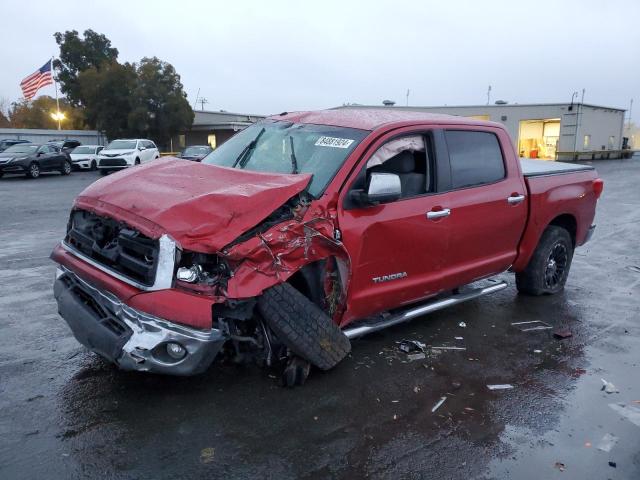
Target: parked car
[(65, 145), (126, 153), (323, 227), (85, 156), (195, 152), (31, 159), (4, 144)]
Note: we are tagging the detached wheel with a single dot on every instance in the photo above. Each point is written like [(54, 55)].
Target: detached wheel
[(34, 171), (549, 266), (303, 327), (66, 168)]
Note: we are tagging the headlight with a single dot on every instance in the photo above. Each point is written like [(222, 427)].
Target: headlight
[(189, 274), (200, 269)]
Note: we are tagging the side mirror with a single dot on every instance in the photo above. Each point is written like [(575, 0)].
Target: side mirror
[(383, 188), (142, 148)]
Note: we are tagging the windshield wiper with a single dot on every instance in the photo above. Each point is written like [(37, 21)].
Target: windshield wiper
[(244, 156), (294, 161)]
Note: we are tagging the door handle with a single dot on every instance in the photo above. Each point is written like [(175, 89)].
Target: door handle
[(515, 199), (433, 214)]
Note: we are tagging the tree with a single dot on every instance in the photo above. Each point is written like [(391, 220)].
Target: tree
[(37, 114), (107, 96), (4, 120), (159, 106), (78, 55)]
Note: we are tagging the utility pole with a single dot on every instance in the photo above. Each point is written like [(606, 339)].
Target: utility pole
[(202, 102), (489, 95), (408, 92), (629, 120), (195, 104)]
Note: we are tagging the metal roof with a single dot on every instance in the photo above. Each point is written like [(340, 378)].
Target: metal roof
[(559, 104)]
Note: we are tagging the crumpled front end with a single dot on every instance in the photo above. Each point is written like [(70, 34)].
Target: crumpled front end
[(128, 337)]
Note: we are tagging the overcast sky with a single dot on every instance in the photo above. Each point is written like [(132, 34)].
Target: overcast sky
[(271, 56)]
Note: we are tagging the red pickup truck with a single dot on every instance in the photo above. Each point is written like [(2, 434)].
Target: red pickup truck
[(308, 229)]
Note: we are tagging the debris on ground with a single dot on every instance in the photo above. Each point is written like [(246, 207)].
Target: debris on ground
[(412, 357), (462, 324), (459, 338), (408, 346), (456, 384), (416, 389), (613, 464), (532, 325), (501, 386), (439, 404), (562, 333), (448, 348), (207, 454), (560, 466), (633, 268), (587, 444), (630, 412), (537, 351), (607, 443), (609, 387)]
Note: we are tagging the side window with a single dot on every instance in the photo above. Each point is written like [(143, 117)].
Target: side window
[(408, 157), (475, 158), (99, 149), (149, 144)]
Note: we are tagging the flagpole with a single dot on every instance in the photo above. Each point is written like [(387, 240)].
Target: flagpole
[(55, 83)]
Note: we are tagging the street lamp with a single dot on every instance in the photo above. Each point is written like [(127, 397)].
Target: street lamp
[(58, 116)]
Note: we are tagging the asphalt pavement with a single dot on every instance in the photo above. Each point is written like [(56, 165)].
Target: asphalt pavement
[(65, 413)]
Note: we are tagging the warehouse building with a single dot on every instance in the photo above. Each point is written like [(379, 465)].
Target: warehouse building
[(550, 131)]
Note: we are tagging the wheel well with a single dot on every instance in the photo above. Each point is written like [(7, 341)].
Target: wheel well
[(568, 222), (308, 281)]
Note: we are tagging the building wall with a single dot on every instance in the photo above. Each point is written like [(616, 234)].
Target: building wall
[(86, 137), (599, 122)]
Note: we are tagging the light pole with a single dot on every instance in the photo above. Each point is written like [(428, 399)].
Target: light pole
[(58, 116)]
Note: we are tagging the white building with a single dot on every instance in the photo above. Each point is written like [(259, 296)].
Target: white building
[(552, 131)]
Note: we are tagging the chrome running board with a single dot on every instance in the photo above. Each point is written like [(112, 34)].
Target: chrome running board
[(360, 330)]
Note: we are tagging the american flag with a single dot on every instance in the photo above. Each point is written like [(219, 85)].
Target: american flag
[(36, 81)]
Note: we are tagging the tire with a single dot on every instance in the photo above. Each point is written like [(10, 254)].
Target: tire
[(93, 166), (137, 162), (104, 172), (1, 174), (34, 170), (66, 168), (548, 269), (303, 327)]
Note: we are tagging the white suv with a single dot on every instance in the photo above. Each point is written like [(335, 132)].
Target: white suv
[(126, 153)]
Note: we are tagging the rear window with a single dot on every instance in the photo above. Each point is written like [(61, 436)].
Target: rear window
[(475, 157)]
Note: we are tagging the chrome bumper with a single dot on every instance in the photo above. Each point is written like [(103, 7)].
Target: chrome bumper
[(131, 339)]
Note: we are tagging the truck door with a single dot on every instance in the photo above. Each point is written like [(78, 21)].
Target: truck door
[(397, 253), (486, 201)]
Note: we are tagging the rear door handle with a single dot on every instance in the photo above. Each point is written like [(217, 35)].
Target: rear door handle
[(432, 215), (515, 199)]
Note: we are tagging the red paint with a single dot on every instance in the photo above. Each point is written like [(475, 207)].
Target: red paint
[(204, 208)]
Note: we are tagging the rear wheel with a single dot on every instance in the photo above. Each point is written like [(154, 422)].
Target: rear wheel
[(137, 162), (549, 266), (93, 166), (303, 327), (34, 170)]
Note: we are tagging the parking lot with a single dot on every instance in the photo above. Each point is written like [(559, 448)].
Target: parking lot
[(65, 413)]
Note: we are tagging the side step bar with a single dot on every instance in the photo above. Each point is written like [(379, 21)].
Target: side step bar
[(360, 330)]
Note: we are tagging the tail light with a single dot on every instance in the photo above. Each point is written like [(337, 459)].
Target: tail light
[(598, 186)]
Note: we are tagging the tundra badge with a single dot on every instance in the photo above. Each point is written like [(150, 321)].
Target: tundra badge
[(387, 278)]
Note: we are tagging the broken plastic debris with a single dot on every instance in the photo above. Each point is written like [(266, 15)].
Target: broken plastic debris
[(462, 324), (458, 338), (630, 412), (408, 346), (532, 325), (501, 386), (607, 443), (415, 356), (560, 466), (562, 333), (439, 404), (608, 387), (537, 351), (207, 454), (613, 464)]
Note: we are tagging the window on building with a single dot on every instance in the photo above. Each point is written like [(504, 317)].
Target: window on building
[(211, 140), (586, 142), (475, 157), (612, 142)]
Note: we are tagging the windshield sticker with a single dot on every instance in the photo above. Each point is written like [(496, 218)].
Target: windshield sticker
[(333, 142)]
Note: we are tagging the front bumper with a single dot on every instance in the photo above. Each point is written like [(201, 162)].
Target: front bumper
[(589, 234), (13, 167), (131, 339)]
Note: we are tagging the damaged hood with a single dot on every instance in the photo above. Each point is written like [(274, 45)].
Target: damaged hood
[(202, 207)]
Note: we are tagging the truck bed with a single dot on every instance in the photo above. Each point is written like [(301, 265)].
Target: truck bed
[(537, 168)]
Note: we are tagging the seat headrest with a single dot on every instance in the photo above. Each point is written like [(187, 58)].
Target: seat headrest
[(404, 162)]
